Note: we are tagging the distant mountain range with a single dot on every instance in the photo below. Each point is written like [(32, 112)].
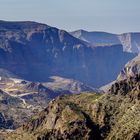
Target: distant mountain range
[(34, 52), (64, 85), (130, 41)]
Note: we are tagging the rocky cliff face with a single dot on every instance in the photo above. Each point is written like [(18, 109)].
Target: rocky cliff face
[(130, 41), (34, 51), (29, 48), (131, 68), (89, 116)]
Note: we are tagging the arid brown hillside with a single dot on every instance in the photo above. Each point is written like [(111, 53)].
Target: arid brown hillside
[(88, 116)]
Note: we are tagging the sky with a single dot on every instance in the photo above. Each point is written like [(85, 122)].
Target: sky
[(116, 16)]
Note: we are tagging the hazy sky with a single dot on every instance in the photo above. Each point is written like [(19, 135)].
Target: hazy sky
[(93, 15)]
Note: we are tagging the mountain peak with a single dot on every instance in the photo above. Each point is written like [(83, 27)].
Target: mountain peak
[(18, 25)]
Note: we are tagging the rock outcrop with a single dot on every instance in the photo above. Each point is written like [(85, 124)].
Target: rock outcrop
[(131, 69)]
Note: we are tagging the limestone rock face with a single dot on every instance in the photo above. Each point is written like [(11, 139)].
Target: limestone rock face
[(34, 52), (131, 69), (130, 41)]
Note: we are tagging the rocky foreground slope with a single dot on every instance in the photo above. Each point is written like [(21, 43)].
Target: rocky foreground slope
[(111, 116)]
